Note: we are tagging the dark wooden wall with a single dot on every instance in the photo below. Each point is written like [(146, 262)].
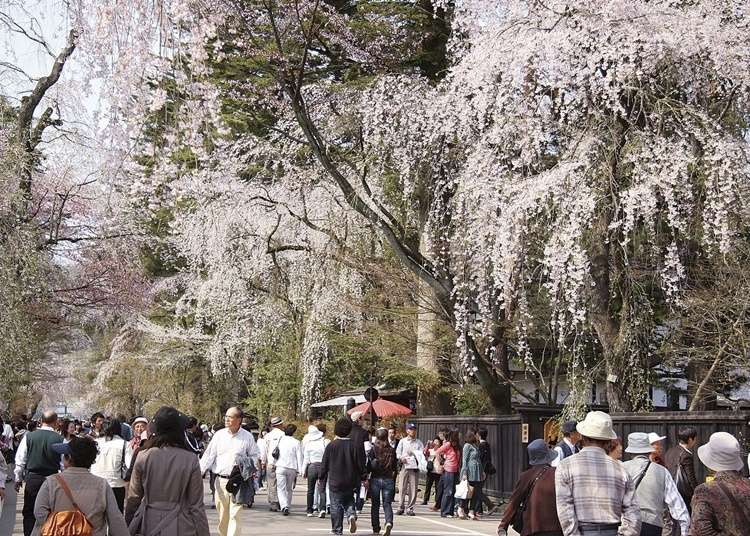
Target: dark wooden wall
[(504, 434)]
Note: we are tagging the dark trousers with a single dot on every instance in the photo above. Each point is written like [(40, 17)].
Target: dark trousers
[(120, 498), (648, 529), (385, 488), (432, 478), (314, 481), (30, 490), (476, 499), (212, 483), (439, 491), (449, 488), (342, 505)]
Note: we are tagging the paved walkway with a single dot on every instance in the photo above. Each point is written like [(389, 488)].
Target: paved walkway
[(259, 521)]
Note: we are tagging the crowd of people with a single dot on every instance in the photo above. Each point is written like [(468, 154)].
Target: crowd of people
[(582, 487), (146, 476)]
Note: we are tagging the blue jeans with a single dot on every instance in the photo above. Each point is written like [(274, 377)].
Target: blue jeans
[(386, 486), (342, 505), (449, 488)]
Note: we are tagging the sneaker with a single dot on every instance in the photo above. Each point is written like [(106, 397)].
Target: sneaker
[(472, 515), (410, 513), (285, 511), (321, 515), (449, 516), (376, 532), (310, 514), (388, 528), (400, 512), (352, 524)]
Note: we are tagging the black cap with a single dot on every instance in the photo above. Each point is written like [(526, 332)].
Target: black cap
[(167, 419)]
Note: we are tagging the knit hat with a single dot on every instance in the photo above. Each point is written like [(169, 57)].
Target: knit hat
[(721, 453)]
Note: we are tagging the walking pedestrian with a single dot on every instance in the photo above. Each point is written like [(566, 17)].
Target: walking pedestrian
[(383, 463), (393, 437), (657, 443), (166, 488), (97, 424), (3, 479), (434, 469), (680, 463), (534, 494), (36, 460), (314, 445), (485, 457), (288, 467), (114, 459), (268, 449), (77, 488), (361, 439), (344, 468), (721, 507), (655, 488), (67, 430), (451, 453), (409, 475), (582, 506), (193, 436), (140, 425), (569, 444), (471, 471), (220, 458)]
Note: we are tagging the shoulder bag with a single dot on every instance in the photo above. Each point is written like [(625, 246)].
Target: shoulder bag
[(517, 520), (639, 479), (276, 452), (67, 523)]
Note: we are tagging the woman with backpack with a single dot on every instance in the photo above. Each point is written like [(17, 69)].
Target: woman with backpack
[(166, 487), (471, 471), (77, 490), (382, 466), (114, 459)]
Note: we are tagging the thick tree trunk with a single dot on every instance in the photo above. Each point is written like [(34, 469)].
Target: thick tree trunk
[(432, 400)]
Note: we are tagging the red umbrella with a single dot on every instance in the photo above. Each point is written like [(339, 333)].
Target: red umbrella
[(383, 409)]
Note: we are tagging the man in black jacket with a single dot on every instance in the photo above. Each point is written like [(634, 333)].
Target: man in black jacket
[(344, 467), (359, 437)]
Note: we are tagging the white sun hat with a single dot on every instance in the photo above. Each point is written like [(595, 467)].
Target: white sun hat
[(653, 437), (721, 453), (597, 425), (639, 443)]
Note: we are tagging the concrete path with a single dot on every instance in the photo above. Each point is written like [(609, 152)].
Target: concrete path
[(261, 522)]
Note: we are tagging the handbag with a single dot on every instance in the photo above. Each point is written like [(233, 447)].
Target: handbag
[(464, 490), (517, 520), (67, 522), (430, 466)]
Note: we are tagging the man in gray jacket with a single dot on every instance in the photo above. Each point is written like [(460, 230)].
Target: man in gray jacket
[(654, 488)]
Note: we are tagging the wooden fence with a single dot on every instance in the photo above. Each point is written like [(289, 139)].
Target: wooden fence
[(508, 435)]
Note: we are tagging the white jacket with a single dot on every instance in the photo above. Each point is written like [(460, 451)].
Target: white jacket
[(313, 451), (114, 457), (290, 454)]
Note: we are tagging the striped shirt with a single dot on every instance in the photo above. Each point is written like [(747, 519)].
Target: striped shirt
[(591, 487)]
